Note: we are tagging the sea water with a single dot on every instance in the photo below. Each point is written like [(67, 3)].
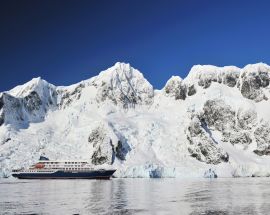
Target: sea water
[(136, 196)]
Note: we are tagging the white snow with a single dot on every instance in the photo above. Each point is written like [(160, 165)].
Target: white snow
[(122, 103)]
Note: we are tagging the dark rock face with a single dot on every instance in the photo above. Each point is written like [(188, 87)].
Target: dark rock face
[(96, 136), (262, 137), (264, 79), (125, 98), (69, 97), (218, 114), (205, 83), (1, 102), (231, 79), (124, 86), (242, 138), (202, 146), (128, 99), (191, 90), (252, 84), (105, 92), (24, 110), (98, 157), (2, 118), (176, 88), (266, 151), (32, 102), (103, 147), (251, 91), (182, 93), (12, 109)]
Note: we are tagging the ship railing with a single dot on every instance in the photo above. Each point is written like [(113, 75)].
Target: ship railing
[(17, 170)]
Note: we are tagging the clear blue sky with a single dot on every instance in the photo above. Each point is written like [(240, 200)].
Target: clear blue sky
[(66, 41)]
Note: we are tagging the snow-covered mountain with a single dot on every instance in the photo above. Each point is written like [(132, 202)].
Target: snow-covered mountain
[(216, 118)]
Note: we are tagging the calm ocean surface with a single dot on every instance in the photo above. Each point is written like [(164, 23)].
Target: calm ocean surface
[(136, 196)]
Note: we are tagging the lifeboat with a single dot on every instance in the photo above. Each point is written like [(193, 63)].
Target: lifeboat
[(39, 165)]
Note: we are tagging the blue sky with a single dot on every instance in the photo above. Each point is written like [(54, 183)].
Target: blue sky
[(67, 41)]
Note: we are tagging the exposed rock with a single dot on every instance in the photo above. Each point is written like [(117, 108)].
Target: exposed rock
[(175, 88), (246, 119), (204, 75), (218, 114), (98, 157), (68, 96), (97, 136), (124, 86), (12, 110), (5, 140), (105, 91), (191, 90), (195, 128), (103, 147), (262, 137), (251, 91), (202, 146), (242, 138), (2, 118), (32, 102), (230, 79), (205, 83), (253, 79), (1, 102), (265, 151)]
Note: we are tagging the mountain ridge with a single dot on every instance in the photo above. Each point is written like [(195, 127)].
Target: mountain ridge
[(216, 118)]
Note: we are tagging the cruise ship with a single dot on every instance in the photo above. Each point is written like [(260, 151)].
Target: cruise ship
[(47, 169)]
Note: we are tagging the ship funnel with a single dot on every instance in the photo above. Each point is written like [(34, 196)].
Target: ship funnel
[(43, 158)]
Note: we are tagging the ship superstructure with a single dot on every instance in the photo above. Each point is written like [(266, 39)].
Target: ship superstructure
[(46, 169)]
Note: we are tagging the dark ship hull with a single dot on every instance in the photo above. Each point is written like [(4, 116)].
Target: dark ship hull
[(93, 174)]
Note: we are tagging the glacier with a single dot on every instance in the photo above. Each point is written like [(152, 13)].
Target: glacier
[(214, 122)]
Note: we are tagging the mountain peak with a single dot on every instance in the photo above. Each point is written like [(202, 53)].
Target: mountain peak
[(124, 85), (36, 84), (119, 69), (121, 65)]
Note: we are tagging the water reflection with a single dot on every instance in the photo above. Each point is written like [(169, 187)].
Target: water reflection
[(136, 196), (229, 196)]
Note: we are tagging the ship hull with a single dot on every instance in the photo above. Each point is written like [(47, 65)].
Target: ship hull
[(106, 174)]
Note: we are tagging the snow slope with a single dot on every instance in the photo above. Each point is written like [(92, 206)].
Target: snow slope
[(216, 118)]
